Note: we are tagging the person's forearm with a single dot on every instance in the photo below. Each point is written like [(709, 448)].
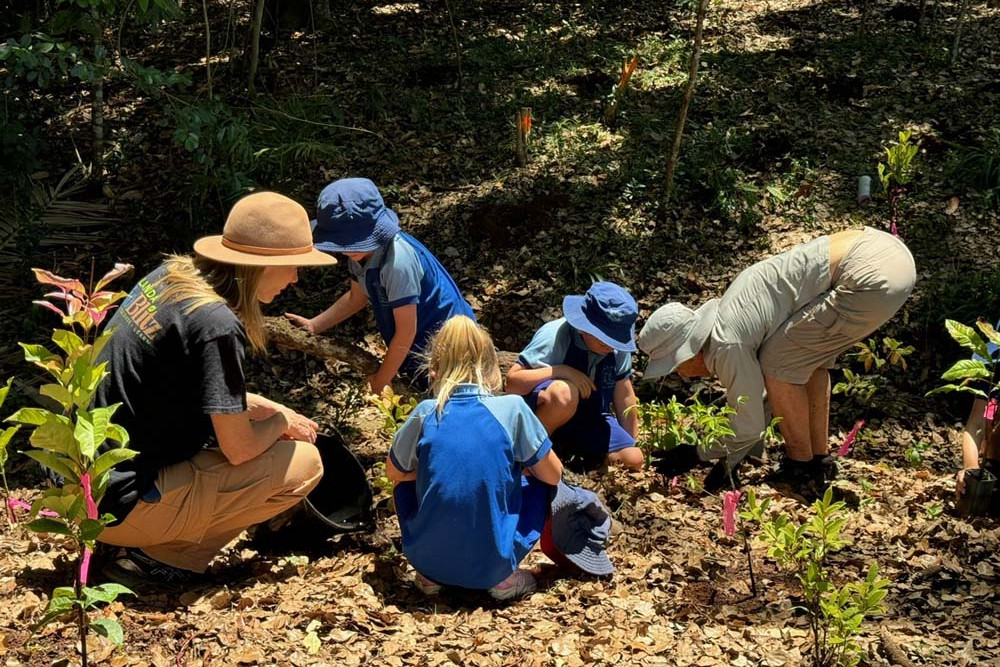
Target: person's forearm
[(399, 347), (344, 307), (264, 433), (522, 380), (261, 408), (627, 415)]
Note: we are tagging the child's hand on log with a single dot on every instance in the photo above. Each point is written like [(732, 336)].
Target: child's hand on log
[(301, 322)]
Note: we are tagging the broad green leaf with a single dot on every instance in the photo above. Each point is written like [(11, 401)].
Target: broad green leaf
[(91, 430), (37, 354), (34, 416), (989, 331), (58, 393), (67, 341), (110, 629), (60, 464), (965, 369), (118, 434), (6, 435), (967, 337), (111, 458), (90, 529), (107, 592), (56, 436), (957, 387), (58, 500), (46, 525)]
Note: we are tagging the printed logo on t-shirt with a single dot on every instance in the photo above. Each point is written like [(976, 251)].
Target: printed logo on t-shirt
[(140, 310), (607, 378)]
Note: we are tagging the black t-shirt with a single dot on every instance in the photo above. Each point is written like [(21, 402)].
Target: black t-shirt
[(170, 370)]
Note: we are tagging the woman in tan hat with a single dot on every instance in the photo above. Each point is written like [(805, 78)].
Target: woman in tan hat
[(779, 328), (213, 458)]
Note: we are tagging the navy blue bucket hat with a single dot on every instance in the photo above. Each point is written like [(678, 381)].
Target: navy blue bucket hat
[(607, 312), (352, 217), (580, 529)]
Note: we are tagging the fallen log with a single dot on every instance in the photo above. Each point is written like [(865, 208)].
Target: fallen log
[(286, 335), (896, 654)]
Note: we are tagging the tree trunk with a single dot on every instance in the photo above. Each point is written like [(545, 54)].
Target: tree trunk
[(97, 102), (258, 19), (675, 147), (963, 9), (208, 47)]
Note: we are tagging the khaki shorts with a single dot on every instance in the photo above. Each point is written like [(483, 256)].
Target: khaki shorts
[(874, 278)]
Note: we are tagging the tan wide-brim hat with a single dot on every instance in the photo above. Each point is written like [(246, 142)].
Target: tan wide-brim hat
[(673, 334), (264, 229)]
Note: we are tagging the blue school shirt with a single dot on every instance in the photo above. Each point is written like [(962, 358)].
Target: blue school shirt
[(474, 519), (403, 272), (559, 343)]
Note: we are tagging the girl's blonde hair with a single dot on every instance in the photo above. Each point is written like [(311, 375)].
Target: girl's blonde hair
[(201, 282), (462, 352)]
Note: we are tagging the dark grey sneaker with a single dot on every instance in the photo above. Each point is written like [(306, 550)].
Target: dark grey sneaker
[(133, 568), (827, 464)]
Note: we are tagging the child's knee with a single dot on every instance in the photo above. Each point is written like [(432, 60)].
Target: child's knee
[(630, 457), (560, 395)]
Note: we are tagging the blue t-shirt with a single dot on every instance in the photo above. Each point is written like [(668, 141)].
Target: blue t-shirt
[(559, 343), (472, 523), (404, 272)]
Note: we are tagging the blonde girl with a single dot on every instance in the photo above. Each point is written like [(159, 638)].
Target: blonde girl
[(473, 472)]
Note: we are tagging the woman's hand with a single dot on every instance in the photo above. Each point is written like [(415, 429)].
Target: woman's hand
[(300, 427), (301, 322)]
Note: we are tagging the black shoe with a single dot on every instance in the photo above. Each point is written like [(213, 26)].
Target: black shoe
[(717, 479), (676, 461), (828, 466), (803, 478), (133, 568)]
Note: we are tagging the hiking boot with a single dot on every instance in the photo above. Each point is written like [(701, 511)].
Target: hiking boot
[(133, 568), (828, 466), (518, 584), (803, 478), (425, 585), (717, 479)]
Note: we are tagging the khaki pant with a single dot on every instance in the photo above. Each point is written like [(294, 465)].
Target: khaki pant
[(206, 501), (874, 278)]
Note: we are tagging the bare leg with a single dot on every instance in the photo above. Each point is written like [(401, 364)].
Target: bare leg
[(557, 404), (791, 403), (630, 457), (818, 389)]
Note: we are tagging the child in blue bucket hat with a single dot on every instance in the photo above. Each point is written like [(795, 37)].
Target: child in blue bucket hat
[(411, 293), (576, 375)]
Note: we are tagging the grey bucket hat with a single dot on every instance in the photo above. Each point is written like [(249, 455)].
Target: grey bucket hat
[(673, 334)]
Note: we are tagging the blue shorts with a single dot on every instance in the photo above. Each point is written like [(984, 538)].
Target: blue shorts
[(590, 434)]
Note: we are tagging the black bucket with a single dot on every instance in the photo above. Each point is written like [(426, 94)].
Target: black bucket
[(342, 500), (340, 503)]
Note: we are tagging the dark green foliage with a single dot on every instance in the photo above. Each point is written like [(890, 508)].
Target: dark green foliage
[(978, 167)]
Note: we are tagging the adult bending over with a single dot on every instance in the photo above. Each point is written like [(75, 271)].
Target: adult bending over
[(779, 327), (213, 458)]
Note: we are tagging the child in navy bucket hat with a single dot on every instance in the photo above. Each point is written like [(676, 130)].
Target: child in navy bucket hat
[(576, 375), (411, 293)]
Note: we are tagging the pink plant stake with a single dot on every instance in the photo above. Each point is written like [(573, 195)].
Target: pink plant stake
[(730, 500), (673, 482), (989, 414), (845, 447), (88, 497), (18, 504), (893, 230)]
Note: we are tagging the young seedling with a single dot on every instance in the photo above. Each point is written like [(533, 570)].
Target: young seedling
[(78, 443), (394, 408), (896, 174)]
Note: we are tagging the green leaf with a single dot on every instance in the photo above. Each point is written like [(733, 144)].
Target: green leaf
[(988, 331), (118, 434), (110, 629), (957, 387), (59, 464), (111, 458), (33, 416), (56, 436), (109, 592), (67, 341), (58, 393), (5, 390), (91, 430), (90, 529), (37, 354), (966, 369), (47, 525), (967, 337)]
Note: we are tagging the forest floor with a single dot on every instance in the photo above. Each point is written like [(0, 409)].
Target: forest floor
[(792, 106)]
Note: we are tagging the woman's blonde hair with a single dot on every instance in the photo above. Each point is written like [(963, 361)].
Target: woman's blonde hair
[(462, 352), (200, 282)]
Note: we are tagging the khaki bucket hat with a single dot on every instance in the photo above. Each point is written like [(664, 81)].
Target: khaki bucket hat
[(673, 334), (264, 229)]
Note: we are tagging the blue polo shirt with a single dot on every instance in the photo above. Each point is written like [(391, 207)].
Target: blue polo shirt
[(474, 516), (403, 272), (559, 343)]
